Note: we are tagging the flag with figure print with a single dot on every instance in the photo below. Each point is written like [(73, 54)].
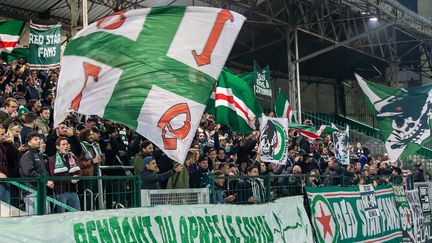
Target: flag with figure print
[(234, 104), (10, 32), (274, 140), (283, 107), (152, 70), (403, 116), (341, 146)]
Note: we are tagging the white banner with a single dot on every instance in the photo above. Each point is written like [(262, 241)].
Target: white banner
[(341, 146), (284, 220), (274, 140)]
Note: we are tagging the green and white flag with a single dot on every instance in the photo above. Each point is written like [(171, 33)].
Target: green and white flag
[(152, 70), (327, 129), (234, 103), (305, 130), (403, 116), (44, 46), (283, 108), (10, 31), (274, 140)]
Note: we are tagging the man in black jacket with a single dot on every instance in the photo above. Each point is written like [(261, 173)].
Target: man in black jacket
[(32, 164), (63, 131), (150, 177), (200, 178)]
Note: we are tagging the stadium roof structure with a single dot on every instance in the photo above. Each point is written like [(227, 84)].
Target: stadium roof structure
[(334, 38)]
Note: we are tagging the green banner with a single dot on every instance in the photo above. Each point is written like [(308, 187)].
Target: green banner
[(355, 214), (279, 221), (262, 85), (44, 46)]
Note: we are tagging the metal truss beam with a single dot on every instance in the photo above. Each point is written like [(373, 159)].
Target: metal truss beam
[(25, 14), (117, 5)]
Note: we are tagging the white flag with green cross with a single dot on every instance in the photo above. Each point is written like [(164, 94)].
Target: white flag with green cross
[(152, 70)]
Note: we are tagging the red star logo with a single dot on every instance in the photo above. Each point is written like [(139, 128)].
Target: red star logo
[(325, 221)]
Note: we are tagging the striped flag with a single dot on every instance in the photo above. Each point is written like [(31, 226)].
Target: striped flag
[(327, 129), (152, 70), (234, 103), (10, 31), (305, 130), (283, 108)]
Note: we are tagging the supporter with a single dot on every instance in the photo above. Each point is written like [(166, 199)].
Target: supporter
[(180, 180), (35, 106), (32, 91), (219, 195), (8, 154), (333, 173), (314, 178), (418, 173), (33, 164), (42, 122), (64, 163), (29, 125), (211, 157), (146, 149), (200, 178), (9, 113), (251, 190), (397, 176), (63, 131), (150, 178), (88, 161), (221, 155)]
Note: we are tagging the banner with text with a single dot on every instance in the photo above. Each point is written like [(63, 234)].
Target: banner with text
[(406, 214), (424, 192), (44, 46), (344, 214), (280, 221)]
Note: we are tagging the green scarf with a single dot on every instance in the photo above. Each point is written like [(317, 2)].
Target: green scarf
[(88, 155), (61, 166)]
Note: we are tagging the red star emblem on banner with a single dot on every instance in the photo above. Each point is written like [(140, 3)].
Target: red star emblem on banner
[(325, 221)]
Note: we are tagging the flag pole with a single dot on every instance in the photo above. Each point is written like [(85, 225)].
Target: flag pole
[(298, 77)]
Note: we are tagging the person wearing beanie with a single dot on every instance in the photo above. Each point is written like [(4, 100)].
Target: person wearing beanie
[(200, 178), (149, 176)]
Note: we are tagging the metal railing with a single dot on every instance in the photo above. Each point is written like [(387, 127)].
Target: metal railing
[(31, 196), (262, 189)]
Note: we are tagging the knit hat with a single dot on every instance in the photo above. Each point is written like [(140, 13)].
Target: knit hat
[(22, 110), (148, 159)]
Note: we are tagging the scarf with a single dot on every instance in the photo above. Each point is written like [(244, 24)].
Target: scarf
[(88, 155), (61, 166)]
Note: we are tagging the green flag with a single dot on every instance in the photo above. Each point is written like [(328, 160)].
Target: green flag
[(327, 129), (44, 46), (283, 108), (150, 69), (235, 103), (403, 116)]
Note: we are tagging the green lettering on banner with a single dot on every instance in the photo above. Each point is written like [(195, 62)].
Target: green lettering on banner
[(218, 229), (148, 225), (162, 230), (214, 238), (193, 228), (104, 230), (184, 232), (171, 235), (229, 220), (127, 231), (203, 230), (340, 214), (239, 223), (247, 227), (256, 228), (268, 231), (80, 233), (116, 230), (91, 231), (137, 224)]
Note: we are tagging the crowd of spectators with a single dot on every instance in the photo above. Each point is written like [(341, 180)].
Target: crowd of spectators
[(30, 147)]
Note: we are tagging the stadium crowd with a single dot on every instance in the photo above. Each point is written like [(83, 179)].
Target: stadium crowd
[(30, 147)]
